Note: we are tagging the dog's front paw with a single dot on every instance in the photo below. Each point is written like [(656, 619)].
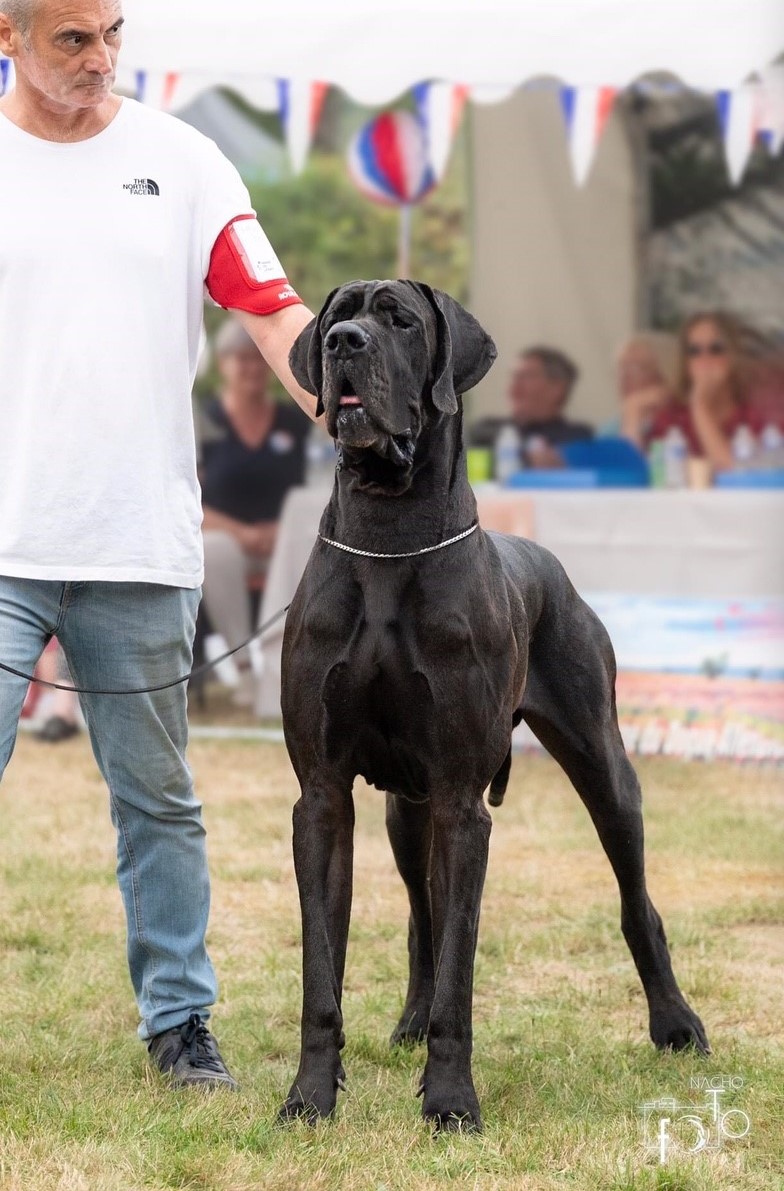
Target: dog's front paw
[(451, 1110), (674, 1026), (294, 1107), (315, 1104)]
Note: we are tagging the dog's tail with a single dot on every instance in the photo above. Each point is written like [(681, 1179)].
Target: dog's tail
[(499, 783)]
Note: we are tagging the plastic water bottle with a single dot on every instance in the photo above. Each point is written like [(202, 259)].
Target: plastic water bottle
[(507, 454), (772, 448), (744, 447), (320, 458), (675, 452), (656, 463)]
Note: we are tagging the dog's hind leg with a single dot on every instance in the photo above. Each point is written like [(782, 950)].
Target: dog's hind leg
[(323, 859), (411, 835), (570, 705)]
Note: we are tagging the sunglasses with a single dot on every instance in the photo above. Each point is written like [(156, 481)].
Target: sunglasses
[(706, 349)]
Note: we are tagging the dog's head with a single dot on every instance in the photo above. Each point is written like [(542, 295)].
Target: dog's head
[(385, 359)]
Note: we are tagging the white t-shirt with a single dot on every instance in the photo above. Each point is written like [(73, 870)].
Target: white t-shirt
[(104, 247)]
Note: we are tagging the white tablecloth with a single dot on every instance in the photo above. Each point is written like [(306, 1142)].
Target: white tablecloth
[(708, 543)]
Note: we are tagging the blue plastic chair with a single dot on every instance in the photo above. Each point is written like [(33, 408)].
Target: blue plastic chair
[(616, 461)]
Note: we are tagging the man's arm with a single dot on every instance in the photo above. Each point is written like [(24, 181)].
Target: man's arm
[(274, 335), (245, 277)]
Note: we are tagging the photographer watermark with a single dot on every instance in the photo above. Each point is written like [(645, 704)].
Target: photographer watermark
[(672, 1129)]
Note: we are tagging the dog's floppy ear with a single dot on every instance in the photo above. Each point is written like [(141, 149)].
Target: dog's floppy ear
[(464, 350), (305, 356)]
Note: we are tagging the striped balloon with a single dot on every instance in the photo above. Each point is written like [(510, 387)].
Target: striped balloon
[(388, 160)]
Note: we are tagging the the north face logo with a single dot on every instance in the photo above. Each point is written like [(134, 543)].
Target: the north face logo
[(142, 186)]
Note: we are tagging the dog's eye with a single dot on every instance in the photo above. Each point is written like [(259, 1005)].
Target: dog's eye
[(398, 319)]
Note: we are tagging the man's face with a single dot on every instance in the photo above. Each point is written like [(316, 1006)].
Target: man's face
[(533, 395), (70, 54)]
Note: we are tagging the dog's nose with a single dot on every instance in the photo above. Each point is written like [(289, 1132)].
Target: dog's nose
[(346, 339)]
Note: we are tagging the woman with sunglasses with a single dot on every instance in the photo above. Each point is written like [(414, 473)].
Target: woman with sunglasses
[(721, 367)]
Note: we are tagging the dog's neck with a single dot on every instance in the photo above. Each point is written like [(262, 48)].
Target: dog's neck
[(438, 504)]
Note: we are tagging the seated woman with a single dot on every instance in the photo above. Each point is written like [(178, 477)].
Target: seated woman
[(645, 370), (724, 367), (252, 451), (61, 715)]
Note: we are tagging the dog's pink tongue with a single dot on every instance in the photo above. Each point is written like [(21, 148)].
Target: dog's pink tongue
[(350, 401)]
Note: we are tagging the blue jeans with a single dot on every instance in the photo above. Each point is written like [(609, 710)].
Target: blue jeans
[(130, 635)]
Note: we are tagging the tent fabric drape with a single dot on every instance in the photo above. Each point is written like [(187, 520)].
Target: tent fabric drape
[(376, 51)]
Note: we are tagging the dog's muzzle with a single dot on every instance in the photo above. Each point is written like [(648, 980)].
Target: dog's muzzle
[(352, 373)]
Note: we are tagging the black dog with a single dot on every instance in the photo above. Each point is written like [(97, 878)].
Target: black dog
[(414, 644)]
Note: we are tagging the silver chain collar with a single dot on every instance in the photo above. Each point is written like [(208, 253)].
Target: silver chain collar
[(410, 554)]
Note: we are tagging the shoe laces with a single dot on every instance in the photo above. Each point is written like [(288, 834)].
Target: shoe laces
[(200, 1044)]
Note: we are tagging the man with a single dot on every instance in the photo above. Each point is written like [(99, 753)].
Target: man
[(539, 389), (113, 218)]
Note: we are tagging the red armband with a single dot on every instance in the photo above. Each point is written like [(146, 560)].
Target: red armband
[(244, 273)]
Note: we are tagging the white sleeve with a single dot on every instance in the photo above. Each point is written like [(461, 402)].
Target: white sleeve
[(224, 197)]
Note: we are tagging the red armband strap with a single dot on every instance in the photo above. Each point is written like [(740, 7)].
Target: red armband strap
[(244, 273)]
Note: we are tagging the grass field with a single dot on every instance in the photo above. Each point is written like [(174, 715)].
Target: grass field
[(562, 1062)]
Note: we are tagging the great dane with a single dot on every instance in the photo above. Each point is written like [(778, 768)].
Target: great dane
[(414, 644)]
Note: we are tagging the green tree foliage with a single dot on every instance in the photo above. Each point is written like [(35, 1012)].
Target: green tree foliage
[(325, 232)]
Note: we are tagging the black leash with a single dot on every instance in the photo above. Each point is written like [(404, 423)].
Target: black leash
[(164, 686)]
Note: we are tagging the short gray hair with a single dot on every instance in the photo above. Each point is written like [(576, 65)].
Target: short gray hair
[(556, 364), (231, 338), (20, 12)]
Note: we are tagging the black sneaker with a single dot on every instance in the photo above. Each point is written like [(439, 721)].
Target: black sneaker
[(190, 1055), (56, 729)]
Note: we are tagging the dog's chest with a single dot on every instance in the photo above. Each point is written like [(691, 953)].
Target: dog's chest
[(406, 657), (389, 669), (395, 629)]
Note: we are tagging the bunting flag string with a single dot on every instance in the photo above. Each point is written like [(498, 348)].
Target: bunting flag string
[(6, 75), (157, 88), (300, 105), (585, 110), (746, 113), (440, 110), (739, 117), (771, 124)]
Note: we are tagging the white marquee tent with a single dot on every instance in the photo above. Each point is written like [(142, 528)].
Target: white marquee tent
[(375, 50), (549, 261)]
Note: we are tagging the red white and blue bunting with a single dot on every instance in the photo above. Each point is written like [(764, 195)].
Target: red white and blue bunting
[(6, 75), (747, 113), (771, 110), (585, 110), (299, 106), (753, 111), (739, 117), (440, 110), (157, 89)]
